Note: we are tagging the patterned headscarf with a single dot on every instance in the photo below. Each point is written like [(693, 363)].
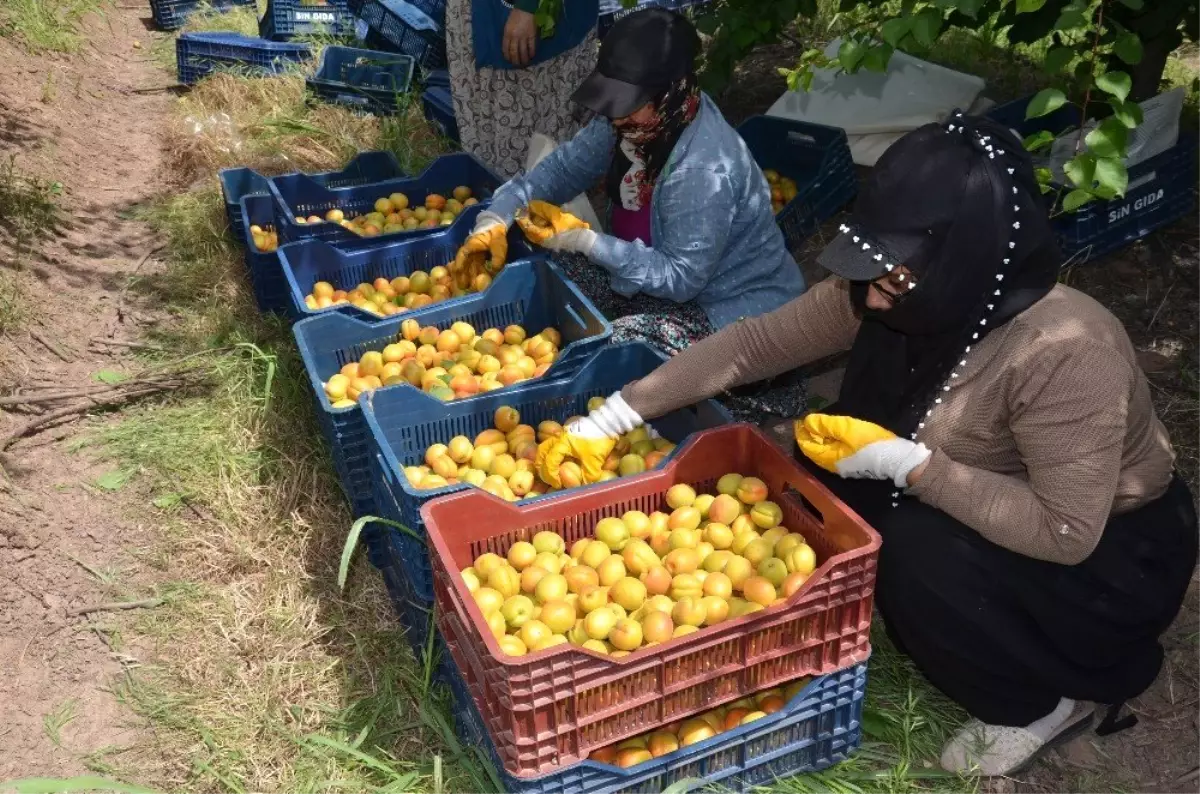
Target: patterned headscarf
[(642, 150)]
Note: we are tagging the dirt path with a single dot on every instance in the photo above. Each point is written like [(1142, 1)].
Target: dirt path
[(64, 541)]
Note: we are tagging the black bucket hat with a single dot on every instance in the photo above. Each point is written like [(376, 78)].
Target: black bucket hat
[(642, 55)]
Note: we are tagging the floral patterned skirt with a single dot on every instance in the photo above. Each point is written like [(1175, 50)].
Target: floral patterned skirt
[(499, 110), (672, 327)]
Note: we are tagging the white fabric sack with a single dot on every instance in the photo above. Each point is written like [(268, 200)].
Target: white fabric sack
[(539, 147), (877, 108)]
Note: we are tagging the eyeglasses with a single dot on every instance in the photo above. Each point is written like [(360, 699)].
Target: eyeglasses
[(901, 289)]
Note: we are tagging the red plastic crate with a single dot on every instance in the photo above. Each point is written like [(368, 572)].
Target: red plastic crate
[(553, 707)]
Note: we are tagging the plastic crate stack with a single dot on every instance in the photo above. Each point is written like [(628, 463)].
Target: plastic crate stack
[(367, 80), (548, 719), (1161, 189), (545, 717), (613, 10)]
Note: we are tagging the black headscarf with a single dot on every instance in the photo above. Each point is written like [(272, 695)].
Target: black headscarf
[(994, 258)]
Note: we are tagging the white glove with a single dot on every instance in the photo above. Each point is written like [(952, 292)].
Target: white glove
[(891, 460), (486, 220), (579, 241), (612, 420)]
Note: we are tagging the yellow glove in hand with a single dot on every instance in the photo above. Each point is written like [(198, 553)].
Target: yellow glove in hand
[(540, 221), (826, 439), (585, 443), (486, 250)]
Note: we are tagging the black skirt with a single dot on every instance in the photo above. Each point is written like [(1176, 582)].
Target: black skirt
[(1007, 636)]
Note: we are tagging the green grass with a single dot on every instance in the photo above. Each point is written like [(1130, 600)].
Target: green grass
[(47, 25), (56, 720)]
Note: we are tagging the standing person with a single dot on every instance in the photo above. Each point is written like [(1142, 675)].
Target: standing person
[(694, 243), (997, 431), (508, 82)]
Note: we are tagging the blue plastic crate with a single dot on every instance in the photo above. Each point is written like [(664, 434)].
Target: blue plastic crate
[(415, 29), (820, 726), (297, 194), (364, 79), (1161, 190), (266, 277), (199, 54), (437, 77), (439, 111), (287, 18), (533, 293), (171, 14), (612, 10), (403, 423), (415, 617), (306, 262), (364, 169), (816, 157)]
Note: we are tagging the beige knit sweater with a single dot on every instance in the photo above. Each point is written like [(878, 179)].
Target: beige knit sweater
[(1048, 430)]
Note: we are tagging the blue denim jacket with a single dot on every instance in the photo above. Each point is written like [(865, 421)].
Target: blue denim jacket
[(714, 233)]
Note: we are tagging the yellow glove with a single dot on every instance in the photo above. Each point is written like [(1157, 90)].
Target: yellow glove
[(589, 451), (540, 221), (826, 439), (485, 250)]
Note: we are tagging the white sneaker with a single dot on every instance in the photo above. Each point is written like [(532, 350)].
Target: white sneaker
[(991, 750)]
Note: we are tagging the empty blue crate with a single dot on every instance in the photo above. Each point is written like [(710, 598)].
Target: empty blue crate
[(285, 19), (533, 293), (819, 727), (415, 29), (300, 195), (198, 55), (816, 157), (438, 105), (364, 79), (364, 169), (1161, 189), (306, 262), (171, 14), (403, 423)]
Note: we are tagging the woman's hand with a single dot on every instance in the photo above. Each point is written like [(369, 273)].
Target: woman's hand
[(589, 440), (857, 449), (520, 38)]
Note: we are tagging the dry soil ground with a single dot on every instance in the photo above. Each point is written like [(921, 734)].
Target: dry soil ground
[(68, 542)]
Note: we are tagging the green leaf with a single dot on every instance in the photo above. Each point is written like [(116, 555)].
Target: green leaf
[(894, 30), (167, 501), (46, 785), (877, 57), (1081, 170), (1109, 139), (1071, 19), (1117, 84), (1057, 59), (970, 7), (680, 786), (874, 725), (352, 543), (850, 54), (926, 27), (1128, 113), (109, 376), (114, 480), (1128, 47), (1045, 102), (1038, 140), (1029, 6), (1136, 5), (1044, 177), (1112, 177), (1076, 199)]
